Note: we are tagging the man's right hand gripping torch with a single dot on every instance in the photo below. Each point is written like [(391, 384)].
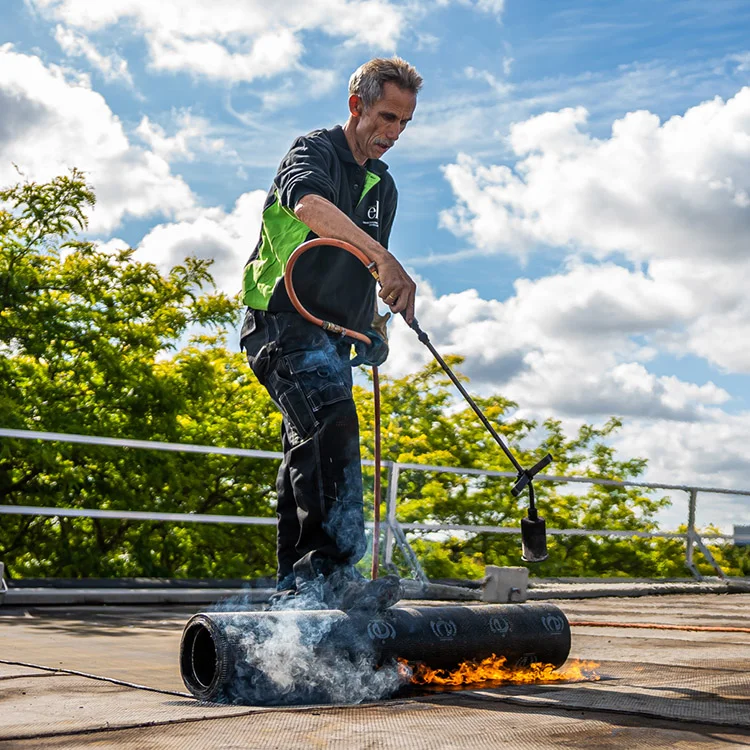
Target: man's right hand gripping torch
[(533, 528)]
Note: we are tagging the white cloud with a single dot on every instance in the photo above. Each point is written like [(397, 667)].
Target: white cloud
[(563, 345), (672, 196), (742, 61), (226, 238), (714, 453), (289, 92), (112, 67), (500, 87), (51, 121), (112, 246), (191, 137), (649, 191), (427, 41), (511, 348), (494, 7), (491, 6), (227, 40), (650, 225), (465, 118)]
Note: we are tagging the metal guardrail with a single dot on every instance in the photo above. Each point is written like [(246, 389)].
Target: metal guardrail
[(394, 529)]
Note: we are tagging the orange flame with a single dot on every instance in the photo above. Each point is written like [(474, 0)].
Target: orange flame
[(493, 669)]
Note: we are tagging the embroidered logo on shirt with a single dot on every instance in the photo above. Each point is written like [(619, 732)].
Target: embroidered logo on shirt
[(373, 215)]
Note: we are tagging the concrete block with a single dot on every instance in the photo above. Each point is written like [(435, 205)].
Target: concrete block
[(503, 585)]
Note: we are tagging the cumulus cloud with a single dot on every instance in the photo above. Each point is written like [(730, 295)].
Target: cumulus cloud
[(651, 190), (112, 67), (511, 347), (226, 40), (670, 198), (51, 120), (226, 238), (650, 227), (712, 453), (561, 345), (191, 138)]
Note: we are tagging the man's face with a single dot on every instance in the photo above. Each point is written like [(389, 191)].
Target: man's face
[(379, 126)]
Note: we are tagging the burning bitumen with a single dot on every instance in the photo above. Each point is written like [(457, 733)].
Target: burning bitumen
[(495, 671), (294, 657)]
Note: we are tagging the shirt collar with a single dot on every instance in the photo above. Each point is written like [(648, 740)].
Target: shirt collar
[(338, 137)]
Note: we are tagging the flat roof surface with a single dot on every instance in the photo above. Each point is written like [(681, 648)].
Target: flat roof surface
[(108, 677)]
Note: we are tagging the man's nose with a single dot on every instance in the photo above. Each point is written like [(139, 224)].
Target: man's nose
[(393, 132)]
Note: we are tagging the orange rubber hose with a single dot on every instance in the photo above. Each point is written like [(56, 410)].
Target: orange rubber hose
[(656, 626), (295, 256), (376, 480)]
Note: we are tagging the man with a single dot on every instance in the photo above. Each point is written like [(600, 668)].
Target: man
[(330, 184)]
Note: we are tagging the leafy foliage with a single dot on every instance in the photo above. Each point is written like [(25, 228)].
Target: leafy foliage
[(99, 343), (85, 343), (419, 426)]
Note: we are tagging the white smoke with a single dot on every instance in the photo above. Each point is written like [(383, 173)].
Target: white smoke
[(317, 657)]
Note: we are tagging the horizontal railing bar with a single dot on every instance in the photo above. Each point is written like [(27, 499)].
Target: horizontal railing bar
[(583, 480), (559, 532), (64, 437), (252, 453), (136, 515), (139, 515), (144, 515)]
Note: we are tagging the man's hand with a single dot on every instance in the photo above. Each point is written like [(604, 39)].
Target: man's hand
[(377, 352), (326, 220), (373, 355), (397, 289)]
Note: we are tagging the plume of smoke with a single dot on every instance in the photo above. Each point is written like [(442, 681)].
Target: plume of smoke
[(321, 657), (318, 658)]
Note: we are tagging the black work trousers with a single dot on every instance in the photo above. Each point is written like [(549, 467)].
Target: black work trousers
[(307, 373)]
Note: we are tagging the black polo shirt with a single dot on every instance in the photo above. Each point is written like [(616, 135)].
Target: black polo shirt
[(331, 283)]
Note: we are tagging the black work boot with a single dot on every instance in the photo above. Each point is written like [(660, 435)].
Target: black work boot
[(371, 597), (280, 600)]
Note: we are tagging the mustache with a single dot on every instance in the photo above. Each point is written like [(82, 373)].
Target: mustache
[(387, 142)]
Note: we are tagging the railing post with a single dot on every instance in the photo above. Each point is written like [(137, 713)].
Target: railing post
[(694, 540), (409, 554), (3, 585), (394, 534), (391, 500), (706, 552), (691, 535)]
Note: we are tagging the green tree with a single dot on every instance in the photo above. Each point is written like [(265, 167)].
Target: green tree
[(88, 342), (420, 427), (100, 343)]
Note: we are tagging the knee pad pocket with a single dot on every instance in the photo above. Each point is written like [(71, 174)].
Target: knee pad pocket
[(304, 382), (321, 377)]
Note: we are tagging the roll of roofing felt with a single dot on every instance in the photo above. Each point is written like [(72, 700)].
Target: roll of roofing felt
[(328, 656)]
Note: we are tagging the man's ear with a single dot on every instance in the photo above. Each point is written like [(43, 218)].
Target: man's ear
[(355, 105)]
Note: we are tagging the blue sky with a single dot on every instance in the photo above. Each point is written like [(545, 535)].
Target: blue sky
[(573, 190)]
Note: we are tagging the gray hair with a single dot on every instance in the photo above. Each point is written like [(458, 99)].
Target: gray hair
[(368, 79)]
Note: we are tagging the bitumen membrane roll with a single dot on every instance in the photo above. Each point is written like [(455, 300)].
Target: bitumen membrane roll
[(328, 656)]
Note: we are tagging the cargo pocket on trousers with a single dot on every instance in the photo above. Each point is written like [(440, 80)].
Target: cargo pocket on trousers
[(305, 382), (321, 377)]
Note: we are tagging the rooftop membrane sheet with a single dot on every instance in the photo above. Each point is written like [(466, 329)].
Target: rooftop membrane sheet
[(108, 677)]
